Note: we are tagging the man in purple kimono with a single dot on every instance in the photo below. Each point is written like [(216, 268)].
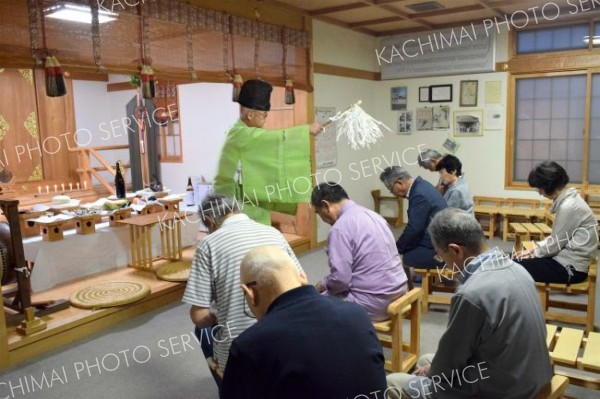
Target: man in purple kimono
[(365, 266)]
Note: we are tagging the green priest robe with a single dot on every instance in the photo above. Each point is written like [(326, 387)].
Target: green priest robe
[(275, 169)]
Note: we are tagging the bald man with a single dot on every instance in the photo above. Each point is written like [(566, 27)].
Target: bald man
[(304, 345)]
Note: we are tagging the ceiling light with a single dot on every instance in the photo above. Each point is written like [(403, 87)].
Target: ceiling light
[(75, 13)]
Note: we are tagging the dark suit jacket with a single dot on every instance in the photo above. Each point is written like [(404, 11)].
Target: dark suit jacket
[(308, 346), (424, 201)]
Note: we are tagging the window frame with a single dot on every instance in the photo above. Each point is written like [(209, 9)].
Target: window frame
[(555, 63)]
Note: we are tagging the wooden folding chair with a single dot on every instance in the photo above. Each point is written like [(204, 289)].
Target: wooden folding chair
[(404, 355)]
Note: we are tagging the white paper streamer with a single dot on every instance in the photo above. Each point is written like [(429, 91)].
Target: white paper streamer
[(360, 128)]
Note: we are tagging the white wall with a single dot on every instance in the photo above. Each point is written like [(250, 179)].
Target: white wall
[(206, 113), (342, 47), (483, 157), (101, 114)]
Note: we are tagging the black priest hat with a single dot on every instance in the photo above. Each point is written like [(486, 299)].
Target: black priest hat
[(256, 94)]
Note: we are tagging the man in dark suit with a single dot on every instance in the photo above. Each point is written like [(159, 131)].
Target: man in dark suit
[(304, 345), (424, 201)]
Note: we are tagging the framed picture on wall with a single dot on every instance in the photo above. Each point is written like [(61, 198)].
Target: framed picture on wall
[(468, 123), (398, 98), (468, 93), (451, 145), (440, 93), (405, 122), (424, 94)]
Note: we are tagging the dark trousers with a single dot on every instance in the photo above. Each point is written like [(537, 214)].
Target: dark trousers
[(547, 270), (203, 335), (420, 258)]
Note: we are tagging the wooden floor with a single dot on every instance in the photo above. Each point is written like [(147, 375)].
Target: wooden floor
[(73, 323)]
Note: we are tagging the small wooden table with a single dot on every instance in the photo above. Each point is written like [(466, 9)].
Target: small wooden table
[(140, 237), (52, 231), (171, 205), (85, 224)]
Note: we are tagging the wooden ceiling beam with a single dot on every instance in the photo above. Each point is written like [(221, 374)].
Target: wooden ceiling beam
[(491, 7), (382, 2), (331, 10), (394, 10), (375, 21), (448, 11), (287, 6), (346, 25), (407, 16)]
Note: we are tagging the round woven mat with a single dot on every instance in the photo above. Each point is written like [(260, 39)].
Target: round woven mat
[(174, 271), (112, 293)]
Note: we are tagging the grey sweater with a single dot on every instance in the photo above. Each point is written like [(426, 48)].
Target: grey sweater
[(459, 196), (496, 335), (574, 238)]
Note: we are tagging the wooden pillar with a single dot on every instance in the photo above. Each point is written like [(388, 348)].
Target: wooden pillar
[(310, 114), (4, 355), (31, 323)]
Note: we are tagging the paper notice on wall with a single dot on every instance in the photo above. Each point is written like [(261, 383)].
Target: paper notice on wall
[(201, 188), (493, 92), (325, 142), (424, 118)]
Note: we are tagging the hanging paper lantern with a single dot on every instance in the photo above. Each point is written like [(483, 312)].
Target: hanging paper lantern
[(237, 86), (290, 98)]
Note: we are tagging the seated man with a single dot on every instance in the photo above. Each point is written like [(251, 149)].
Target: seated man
[(428, 159), (364, 263), (457, 193), (304, 345), (495, 342), (214, 276), (424, 201)]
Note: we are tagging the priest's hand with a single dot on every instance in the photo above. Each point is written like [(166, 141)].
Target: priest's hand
[(315, 128)]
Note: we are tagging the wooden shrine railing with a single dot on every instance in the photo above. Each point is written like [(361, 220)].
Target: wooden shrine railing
[(86, 171)]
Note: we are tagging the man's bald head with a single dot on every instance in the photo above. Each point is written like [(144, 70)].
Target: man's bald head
[(267, 272)]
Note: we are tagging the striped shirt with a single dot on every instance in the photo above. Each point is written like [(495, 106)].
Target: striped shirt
[(215, 276)]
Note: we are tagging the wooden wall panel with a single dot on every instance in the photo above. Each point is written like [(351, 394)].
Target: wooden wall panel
[(19, 132), (57, 132)]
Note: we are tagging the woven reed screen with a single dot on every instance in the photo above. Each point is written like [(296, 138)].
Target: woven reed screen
[(179, 37)]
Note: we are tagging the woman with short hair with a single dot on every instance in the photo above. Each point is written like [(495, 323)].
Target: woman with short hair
[(565, 255), (457, 194)]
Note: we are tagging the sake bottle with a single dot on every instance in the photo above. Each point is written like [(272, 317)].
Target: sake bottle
[(189, 193), (119, 181)]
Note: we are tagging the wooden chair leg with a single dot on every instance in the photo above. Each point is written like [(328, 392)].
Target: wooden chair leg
[(543, 295), (409, 282), (591, 308), (397, 344), (425, 282)]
